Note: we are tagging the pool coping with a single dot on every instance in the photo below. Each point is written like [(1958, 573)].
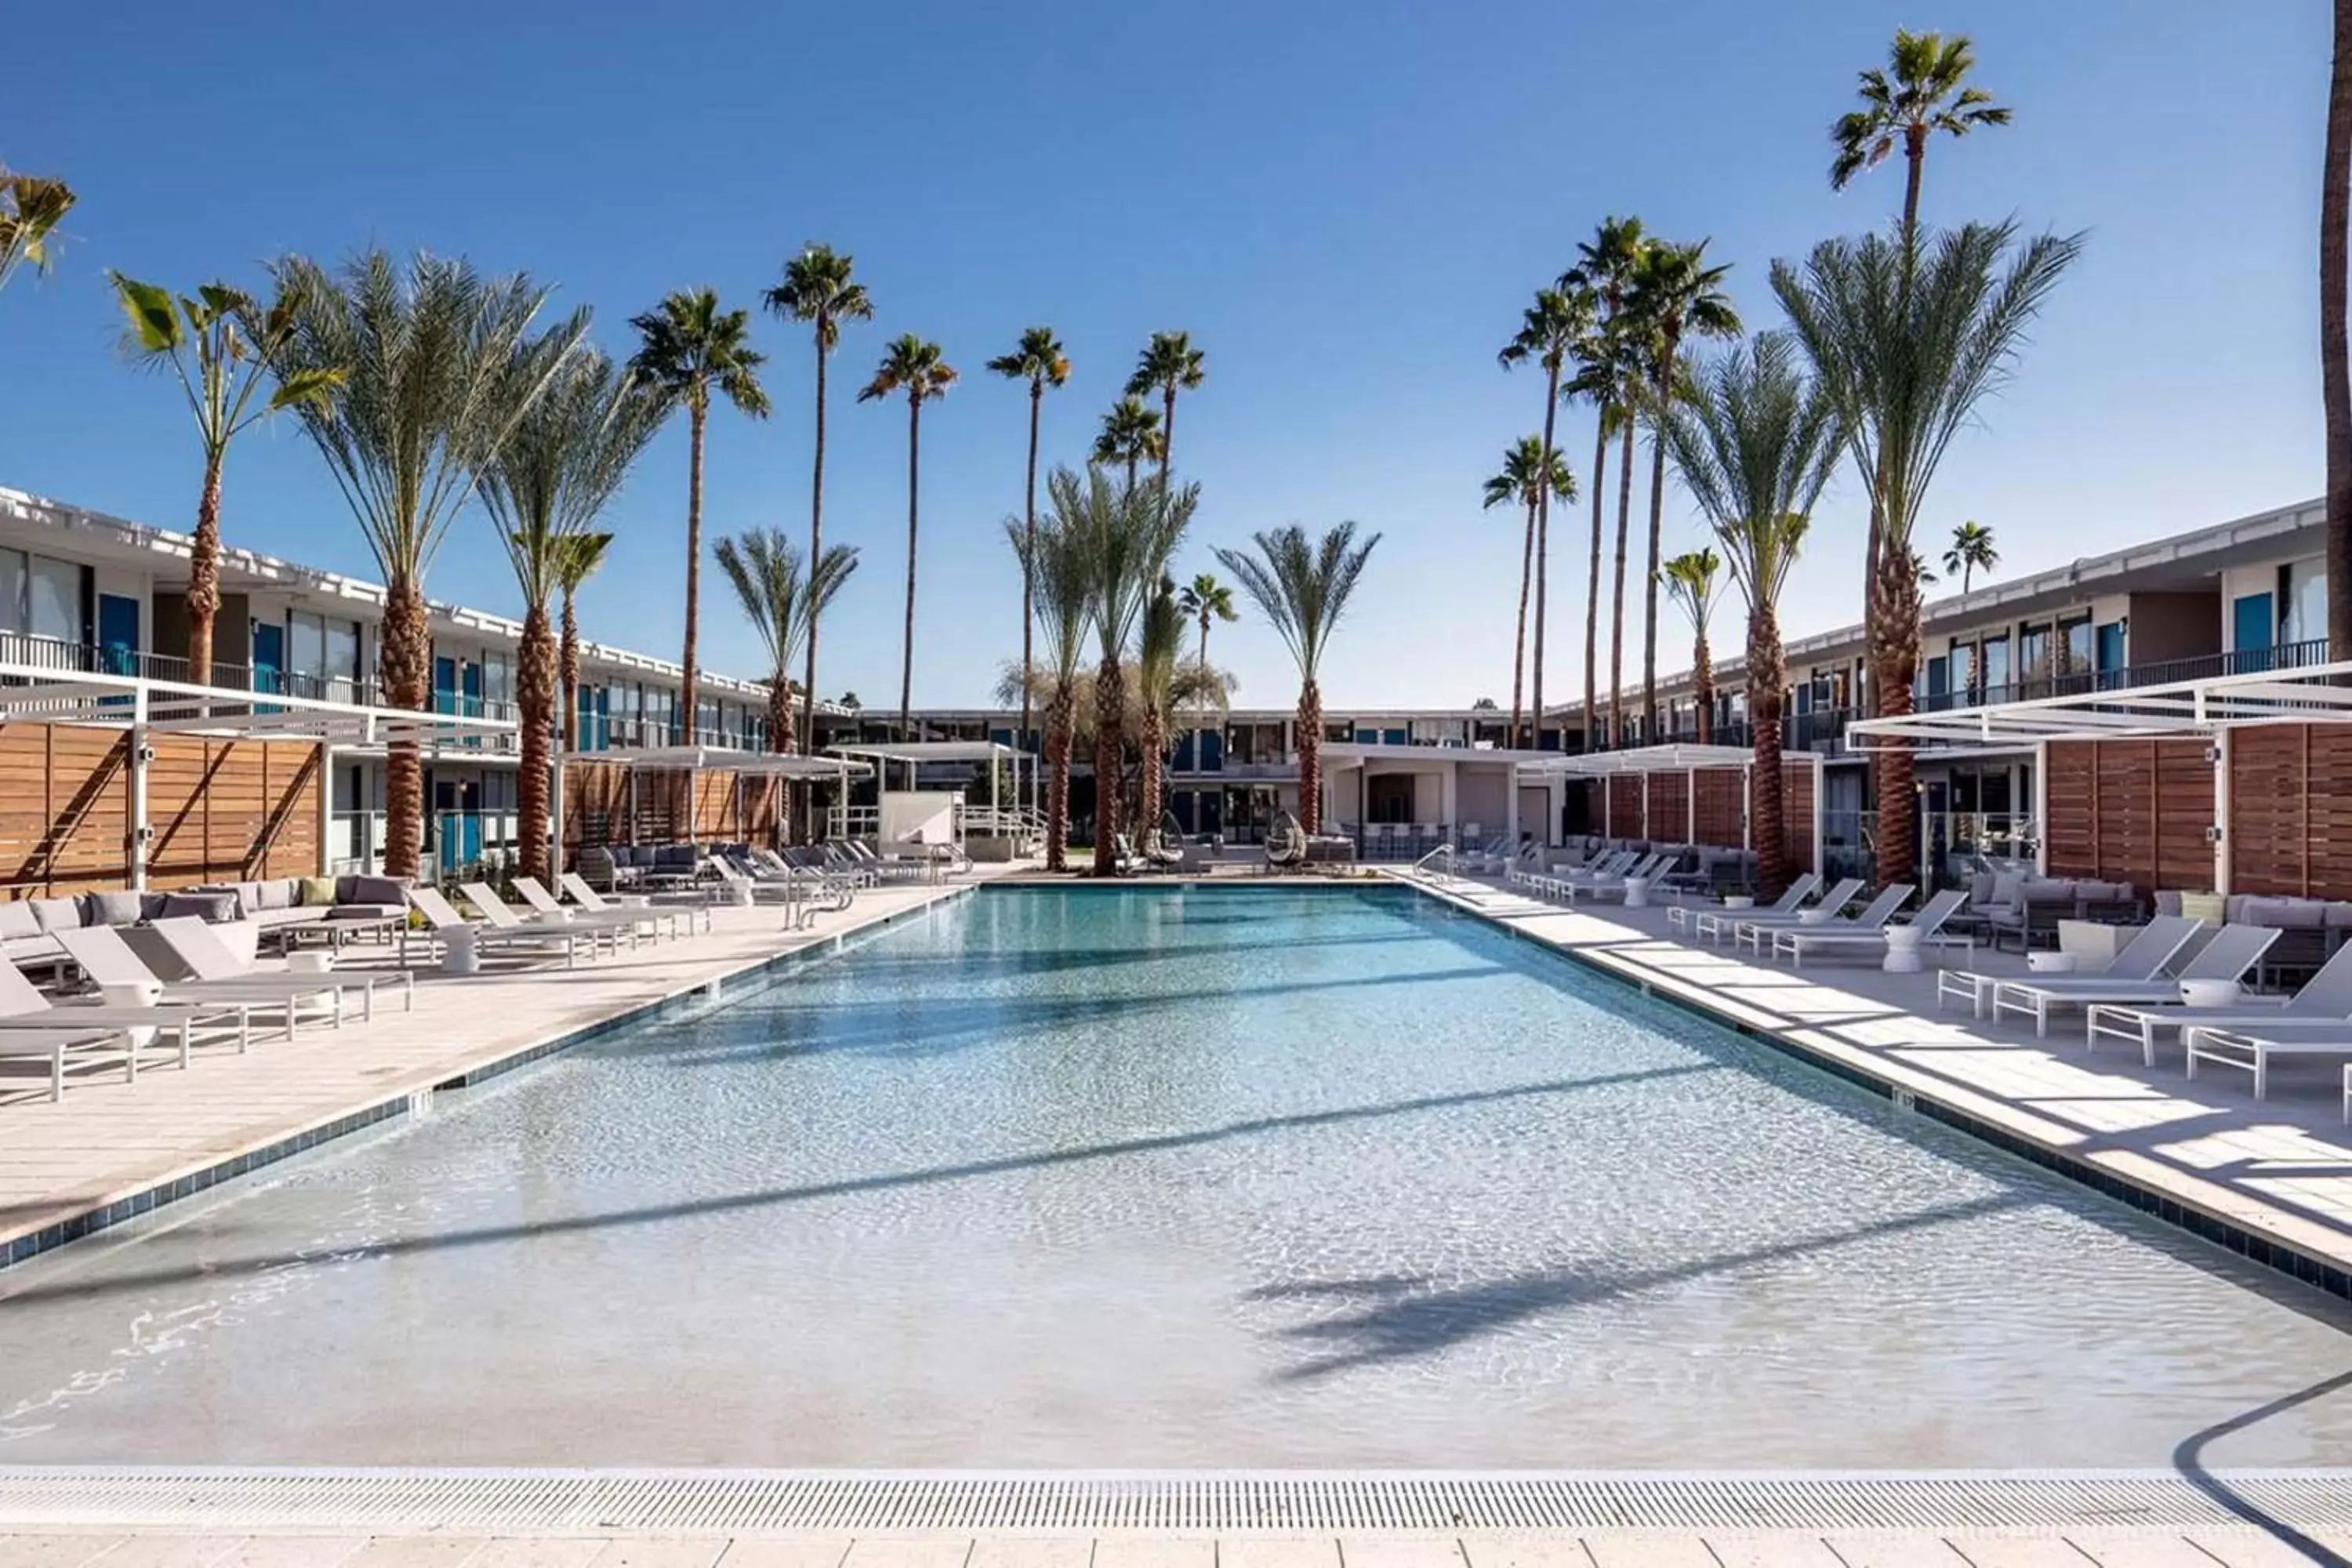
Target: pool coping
[(2274, 1238), (28, 1241)]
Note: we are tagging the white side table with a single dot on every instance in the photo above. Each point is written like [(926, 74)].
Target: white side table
[(134, 994), (461, 953), (1903, 950), (1637, 892), (311, 961)]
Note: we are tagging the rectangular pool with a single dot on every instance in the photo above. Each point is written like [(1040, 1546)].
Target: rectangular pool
[(1164, 1178)]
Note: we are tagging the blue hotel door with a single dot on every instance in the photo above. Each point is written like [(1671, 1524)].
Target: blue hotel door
[(2253, 627), (118, 634)]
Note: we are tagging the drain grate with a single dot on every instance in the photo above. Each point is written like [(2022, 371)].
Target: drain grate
[(753, 1503)]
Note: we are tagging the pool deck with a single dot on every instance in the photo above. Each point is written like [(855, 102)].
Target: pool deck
[(111, 1150), (2271, 1178)]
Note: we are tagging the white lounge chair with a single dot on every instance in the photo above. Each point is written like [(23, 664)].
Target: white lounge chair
[(2251, 1048), (56, 1047), (23, 1007), (589, 899), (1798, 942), (1874, 915), (2137, 973), (2325, 1000), (101, 953), (1648, 867), (653, 922), (203, 959), (498, 913), (1796, 893), (1714, 925), (491, 939)]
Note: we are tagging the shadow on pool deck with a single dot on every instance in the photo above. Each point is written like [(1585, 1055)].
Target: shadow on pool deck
[(217, 1266)]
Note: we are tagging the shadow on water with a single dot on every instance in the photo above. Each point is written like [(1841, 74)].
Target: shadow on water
[(132, 1281), (2189, 1458), (1406, 1317), (1052, 960)]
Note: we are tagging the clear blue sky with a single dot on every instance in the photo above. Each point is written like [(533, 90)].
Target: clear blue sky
[(1347, 206)]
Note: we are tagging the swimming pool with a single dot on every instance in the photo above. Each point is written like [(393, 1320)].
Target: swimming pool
[(1130, 1178)]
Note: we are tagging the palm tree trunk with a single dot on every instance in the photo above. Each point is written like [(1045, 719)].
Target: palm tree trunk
[(817, 553), (404, 652), (1155, 745), (569, 660), (1543, 528), (1131, 472), (204, 576), (1617, 620), (780, 713), (1591, 590), (1703, 688), (1310, 755), (1029, 550), (1915, 159), (1657, 531), (1898, 663), (1870, 553), (2334, 364), (536, 677), (1110, 698), (1766, 814), (1168, 433), (699, 415), (1519, 648), (1061, 722), (914, 470)]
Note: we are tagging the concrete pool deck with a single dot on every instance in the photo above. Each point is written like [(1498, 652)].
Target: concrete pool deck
[(2271, 1178), (111, 1150)]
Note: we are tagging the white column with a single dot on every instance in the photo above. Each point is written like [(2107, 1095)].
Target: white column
[(2041, 793), (1690, 801), (1449, 799), (2223, 851), (138, 784), (555, 802), (1511, 805)]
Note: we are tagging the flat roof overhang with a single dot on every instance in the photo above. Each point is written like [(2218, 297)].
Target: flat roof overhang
[(704, 759), (31, 693), (1647, 759), (2314, 694)]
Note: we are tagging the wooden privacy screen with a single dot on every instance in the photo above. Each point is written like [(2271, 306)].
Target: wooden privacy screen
[(1669, 808), (2290, 829), (2131, 811), (1720, 793), (1797, 815), (222, 811), (1624, 793), (671, 805)]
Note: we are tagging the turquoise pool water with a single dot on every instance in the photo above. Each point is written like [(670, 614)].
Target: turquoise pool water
[(1151, 1178)]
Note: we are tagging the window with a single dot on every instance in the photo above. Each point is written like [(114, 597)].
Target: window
[(2306, 585), (306, 653), (498, 680), (1996, 665), (2076, 656), (12, 591), (2033, 657), (1963, 668), (342, 660)]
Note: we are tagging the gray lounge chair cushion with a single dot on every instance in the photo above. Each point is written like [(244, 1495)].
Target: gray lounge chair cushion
[(386, 892), (2006, 887), (59, 914), (2167, 902), (2283, 913), (2339, 915), (111, 908), (215, 908), (278, 893), (2047, 891), (17, 919)]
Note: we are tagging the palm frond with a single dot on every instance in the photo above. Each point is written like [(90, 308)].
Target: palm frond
[(1755, 445), (565, 461), (1301, 585)]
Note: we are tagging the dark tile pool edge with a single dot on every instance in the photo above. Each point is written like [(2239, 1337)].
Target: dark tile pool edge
[(2271, 1253), (107, 1213)]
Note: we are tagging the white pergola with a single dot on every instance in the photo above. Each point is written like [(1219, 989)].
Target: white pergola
[(143, 708), (2315, 694), (915, 753), (1689, 761), (788, 766)]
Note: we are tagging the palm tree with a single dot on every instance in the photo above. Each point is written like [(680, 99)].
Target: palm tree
[(2334, 354), (1039, 360), (917, 369), (433, 385), (1608, 375), (1549, 330), (1523, 479), (1754, 444), (1053, 557), (1690, 581), (1972, 551), (30, 210), (819, 288), (581, 554), (558, 470), (1906, 354), (1168, 364), (1302, 586), (1128, 534), (1205, 599), (220, 346), (763, 567), (1676, 295), (1922, 91), (1130, 434), (687, 347), (1160, 651)]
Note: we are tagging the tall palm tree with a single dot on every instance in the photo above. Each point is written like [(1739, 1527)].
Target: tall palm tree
[(1972, 551), (1302, 585), (1608, 375), (1677, 295), (1754, 444), (1168, 364), (1922, 90), (689, 347), (1129, 533), (821, 288), (557, 472), (1130, 434), (763, 567), (917, 369), (433, 385), (581, 554), (1690, 581), (31, 208), (1906, 354), (1055, 557), (2335, 355), (1549, 330), (1525, 479), (1205, 599), (1039, 360), (220, 346)]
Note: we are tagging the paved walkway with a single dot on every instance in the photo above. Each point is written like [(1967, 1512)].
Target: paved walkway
[(108, 1140), (2103, 1549), (2280, 1167)]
